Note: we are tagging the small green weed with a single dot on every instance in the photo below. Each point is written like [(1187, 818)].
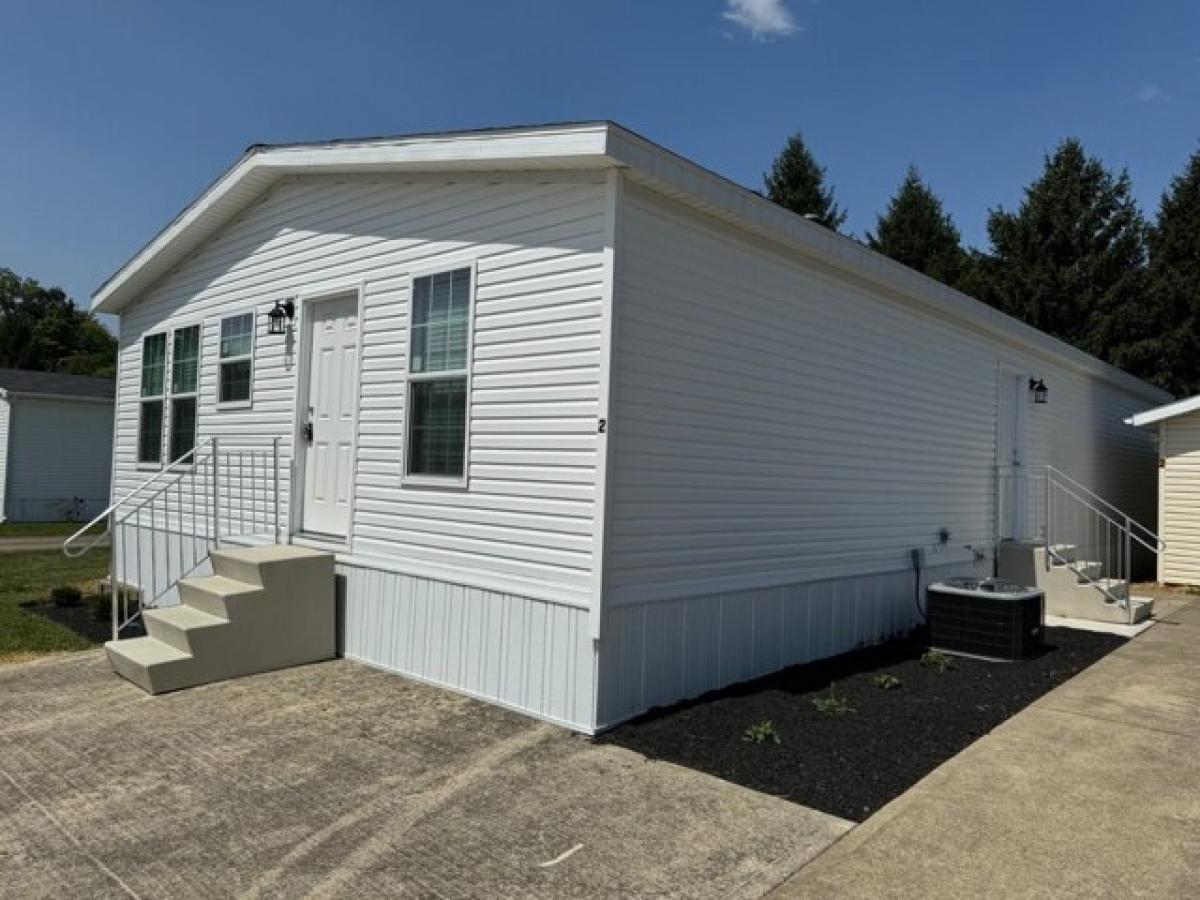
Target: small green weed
[(938, 661), (885, 681), (762, 733), (833, 704)]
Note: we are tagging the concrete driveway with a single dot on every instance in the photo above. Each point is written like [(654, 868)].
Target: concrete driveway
[(339, 780)]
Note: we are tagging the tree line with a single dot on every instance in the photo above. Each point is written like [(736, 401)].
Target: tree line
[(1076, 258), (42, 330)]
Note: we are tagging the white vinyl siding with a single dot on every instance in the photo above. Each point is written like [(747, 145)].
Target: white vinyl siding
[(1180, 513), (525, 523), (5, 410), (59, 450), (782, 436), (777, 421)]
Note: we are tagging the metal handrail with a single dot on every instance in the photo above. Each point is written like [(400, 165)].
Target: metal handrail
[(183, 511), (113, 507), (1160, 544), (1121, 516), (1127, 524), (1072, 513)]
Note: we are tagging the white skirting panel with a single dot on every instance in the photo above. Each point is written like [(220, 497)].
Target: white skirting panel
[(531, 655), (659, 653)]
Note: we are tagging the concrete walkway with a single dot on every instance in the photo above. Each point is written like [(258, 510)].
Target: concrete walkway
[(1093, 791)]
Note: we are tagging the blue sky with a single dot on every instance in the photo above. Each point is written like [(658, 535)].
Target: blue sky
[(117, 113)]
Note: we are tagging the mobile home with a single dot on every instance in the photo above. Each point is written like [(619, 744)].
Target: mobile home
[(55, 445), (588, 427)]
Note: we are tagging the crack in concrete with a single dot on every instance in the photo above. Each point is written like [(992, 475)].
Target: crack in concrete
[(57, 823)]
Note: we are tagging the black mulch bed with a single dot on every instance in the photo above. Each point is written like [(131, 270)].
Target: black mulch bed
[(852, 764), (81, 619)]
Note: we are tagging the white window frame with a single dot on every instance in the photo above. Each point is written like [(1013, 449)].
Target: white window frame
[(161, 397), (169, 389), (409, 479), (222, 360)]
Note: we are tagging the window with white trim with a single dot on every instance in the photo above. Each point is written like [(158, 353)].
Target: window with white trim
[(438, 373), (236, 364), (185, 384), (150, 412)]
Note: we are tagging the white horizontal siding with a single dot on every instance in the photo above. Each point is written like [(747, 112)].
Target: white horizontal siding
[(782, 436), (537, 242), (1180, 515), (4, 417), (58, 450), (776, 421), (521, 652)]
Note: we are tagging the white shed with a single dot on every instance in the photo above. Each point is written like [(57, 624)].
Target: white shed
[(55, 445), (1177, 426), (589, 427)]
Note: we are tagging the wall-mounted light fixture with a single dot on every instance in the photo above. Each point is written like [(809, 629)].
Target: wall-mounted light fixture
[(1039, 390), (280, 316)]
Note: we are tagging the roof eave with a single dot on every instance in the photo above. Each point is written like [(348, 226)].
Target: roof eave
[(1162, 413), (571, 147)]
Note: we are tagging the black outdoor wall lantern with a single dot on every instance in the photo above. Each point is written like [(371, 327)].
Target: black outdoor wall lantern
[(280, 316), (1039, 390)]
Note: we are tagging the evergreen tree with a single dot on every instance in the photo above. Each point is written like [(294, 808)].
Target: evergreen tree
[(797, 182), (41, 329), (1070, 260), (917, 231), (1169, 355)]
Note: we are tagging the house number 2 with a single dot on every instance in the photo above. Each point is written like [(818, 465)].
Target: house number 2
[(603, 426)]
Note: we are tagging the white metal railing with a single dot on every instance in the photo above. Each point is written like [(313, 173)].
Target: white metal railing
[(164, 529), (1044, 504)]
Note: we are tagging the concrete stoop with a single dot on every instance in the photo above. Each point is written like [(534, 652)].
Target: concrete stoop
[(1067, 583), (264, 608)]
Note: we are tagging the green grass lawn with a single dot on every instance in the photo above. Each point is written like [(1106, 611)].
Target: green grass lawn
[(30, 576), (43, 529)]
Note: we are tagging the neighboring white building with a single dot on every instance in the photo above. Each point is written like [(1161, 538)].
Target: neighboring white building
[(592, 428), (1178, 431), (55, 445)]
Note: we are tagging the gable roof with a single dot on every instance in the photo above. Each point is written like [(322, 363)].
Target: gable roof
[(579, 146), (1170, 411), (20, 381)]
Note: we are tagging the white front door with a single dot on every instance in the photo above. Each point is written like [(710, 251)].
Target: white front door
[(1010, 456), (327, 426)]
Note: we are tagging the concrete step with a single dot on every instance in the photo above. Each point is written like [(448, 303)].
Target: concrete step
[(266, 608), (1143, 607), (1117, 587), (153, 666), (1065, 552), (217, 595), (183, 627), (1087, 569)]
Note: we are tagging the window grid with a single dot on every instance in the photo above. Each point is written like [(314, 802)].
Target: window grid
[(185, 387), (438, 376), (236, 362), (150, 407)]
